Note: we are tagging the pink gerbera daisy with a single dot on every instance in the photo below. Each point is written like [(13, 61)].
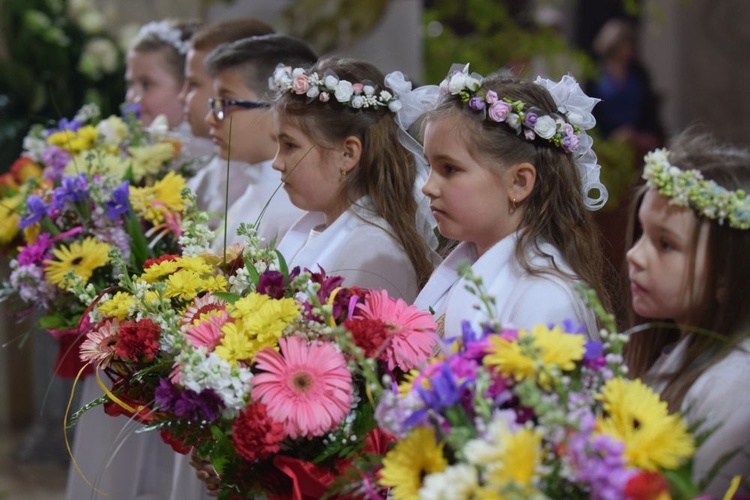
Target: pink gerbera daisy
[(412, 332), (307, 387), (99, 346), (201, 305), (208, 331)]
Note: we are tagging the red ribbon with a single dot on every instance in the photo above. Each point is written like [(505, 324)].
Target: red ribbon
[(69, 340)]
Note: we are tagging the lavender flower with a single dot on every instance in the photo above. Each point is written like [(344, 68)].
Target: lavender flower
[(55, 160), (73, 189), (476, 103), (36, 209)]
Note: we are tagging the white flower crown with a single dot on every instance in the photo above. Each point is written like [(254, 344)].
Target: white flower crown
[(688, 188), (352, 95), (565, 129), (163, 30)]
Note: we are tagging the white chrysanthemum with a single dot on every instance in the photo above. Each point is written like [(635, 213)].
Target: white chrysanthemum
[(489, 450), (457, 481)]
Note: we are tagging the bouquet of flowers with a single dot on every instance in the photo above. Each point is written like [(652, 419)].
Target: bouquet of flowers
[(261, 368), (109, 187), (545, 413)]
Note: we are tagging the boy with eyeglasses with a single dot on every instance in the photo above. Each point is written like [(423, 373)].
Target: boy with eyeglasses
[(210, 182), (240, 123)]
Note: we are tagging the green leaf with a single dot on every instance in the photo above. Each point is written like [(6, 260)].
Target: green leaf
[(231, 298)]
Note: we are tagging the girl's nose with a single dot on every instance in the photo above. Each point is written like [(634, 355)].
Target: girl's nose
[(430, 187), (634, 256)]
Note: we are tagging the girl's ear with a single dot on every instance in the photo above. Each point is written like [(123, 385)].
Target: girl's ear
[(522, 178), (352, 153)]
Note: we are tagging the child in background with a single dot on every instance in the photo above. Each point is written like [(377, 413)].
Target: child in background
[(511, 171), (340, 159), (240, 73), (155, 69), (210, 182), (688, 270)]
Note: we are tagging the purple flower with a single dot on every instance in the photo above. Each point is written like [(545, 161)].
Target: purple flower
[(443, 392), (72, 189), (35, 210), (165, 395), (529, 134), (36, 252), (570, 143), (118, 204), (55, 160), (499, 111), (530, 119), (271, 283), (594, 356), (64, 124), (476, 103), (187, 403), (131, 109), (491, 97)]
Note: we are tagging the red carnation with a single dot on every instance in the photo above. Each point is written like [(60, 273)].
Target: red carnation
[(369, 334), (255, 435), (138, 340), (159, 260), (646, 485)]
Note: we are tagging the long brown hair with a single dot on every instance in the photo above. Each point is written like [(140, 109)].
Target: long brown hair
[(386, 172), (554, 211), (719, 316)]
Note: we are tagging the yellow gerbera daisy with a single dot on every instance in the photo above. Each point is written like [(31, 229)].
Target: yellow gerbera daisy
[(541, 347), (117, 306), (636, 416), (153, 202), (148, 160), (409, 461), (81, 258)]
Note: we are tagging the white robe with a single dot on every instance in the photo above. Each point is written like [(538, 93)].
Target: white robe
[(364, 253), (261, 187), (521, 300), (210, 186), (716, 398)]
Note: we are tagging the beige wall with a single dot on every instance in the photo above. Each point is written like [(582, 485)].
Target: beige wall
[(698, 53)]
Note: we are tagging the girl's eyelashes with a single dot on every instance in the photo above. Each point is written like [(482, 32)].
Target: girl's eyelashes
[(665, 245)]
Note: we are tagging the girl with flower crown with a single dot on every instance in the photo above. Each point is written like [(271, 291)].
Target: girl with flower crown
[(688, 270), (340, 160), (511, 176)]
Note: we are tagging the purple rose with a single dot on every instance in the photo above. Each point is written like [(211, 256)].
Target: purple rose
[(491, 97), (530, 119), (476, 103), (529, 134), (570, 143), (499, 111)]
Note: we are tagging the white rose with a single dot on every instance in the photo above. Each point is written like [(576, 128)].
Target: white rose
[(368, 90), (472, 83), (344, 91), (297, 71), (331, 81), (545, 126), (514, 121), (313, 92), (395, 106), (457, 83), (575, 118), (357, 102)]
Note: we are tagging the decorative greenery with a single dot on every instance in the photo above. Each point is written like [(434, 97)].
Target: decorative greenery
[(54, 57)]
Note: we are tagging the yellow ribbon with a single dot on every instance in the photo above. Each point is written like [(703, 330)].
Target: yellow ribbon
[(331, 298), (65, 433), (733, 486)]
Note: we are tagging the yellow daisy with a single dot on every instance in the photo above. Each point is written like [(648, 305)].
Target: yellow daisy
[(185, 284), (236, 346), (636, 416), (409, 461), (80, 257), (75, 142), (147, 161), (153, 202), (542, 347), (117, 306), (9, 218), (521, 455)]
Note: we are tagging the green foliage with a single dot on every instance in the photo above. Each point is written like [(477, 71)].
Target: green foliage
[(47, 72)]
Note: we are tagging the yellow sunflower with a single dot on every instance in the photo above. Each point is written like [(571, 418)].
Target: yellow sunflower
[(542, 347), (154, 202), (409, 461), (636, 416), (80, 257)]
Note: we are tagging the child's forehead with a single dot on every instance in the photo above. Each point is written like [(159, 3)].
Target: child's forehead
[(656, 210)]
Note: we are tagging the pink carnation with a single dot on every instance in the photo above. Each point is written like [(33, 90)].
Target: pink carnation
[(307, 387)]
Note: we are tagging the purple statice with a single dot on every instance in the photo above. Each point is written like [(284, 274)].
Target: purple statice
[(116, 236), (118, 203), (597, 461), (35, 253), (55, 160), (36, 209), (188, 404)]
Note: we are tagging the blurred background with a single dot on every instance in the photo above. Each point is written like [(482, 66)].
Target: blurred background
[(660, 66)]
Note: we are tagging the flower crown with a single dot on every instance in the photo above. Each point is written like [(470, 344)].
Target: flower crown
[(688, 188), (565, 129), (164, 31), (352, 95)]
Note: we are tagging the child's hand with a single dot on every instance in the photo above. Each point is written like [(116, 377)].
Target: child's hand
[(206, 473)]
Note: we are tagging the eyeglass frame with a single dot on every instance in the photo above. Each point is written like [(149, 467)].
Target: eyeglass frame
[(220, 114)]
